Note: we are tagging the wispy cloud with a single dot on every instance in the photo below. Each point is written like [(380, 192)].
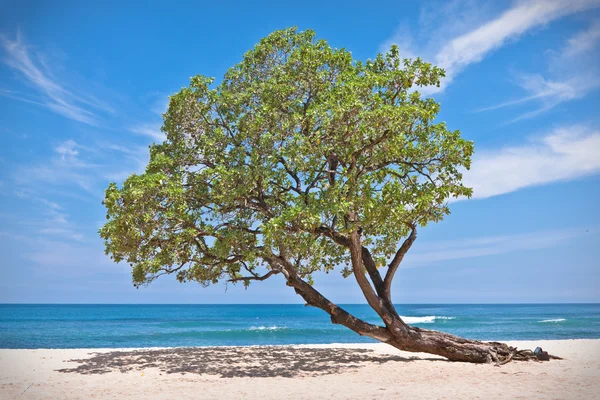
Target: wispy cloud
[(564, 154), (89, 168), (51, 221), (575, 73), (540, 88), (72, 170), (137, 157), (584, 40), (67, 150), (57, 225), (36, 198), (161, 104), (473, 46), (404, 40), (492, 245), (50, 92), (482, 38), (149, 130), (73, 259)]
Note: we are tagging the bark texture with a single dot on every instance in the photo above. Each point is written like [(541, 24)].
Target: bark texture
[(395, 332), (414, 339)]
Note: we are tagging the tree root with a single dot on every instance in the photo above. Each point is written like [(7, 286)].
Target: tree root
[(537, 355), (505, 361), (455, 348)]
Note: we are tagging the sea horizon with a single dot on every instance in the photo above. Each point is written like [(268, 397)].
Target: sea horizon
[(295, 303), (197, 325)]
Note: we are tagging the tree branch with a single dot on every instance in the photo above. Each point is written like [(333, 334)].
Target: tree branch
[(338, 314), (333, 235), (368, 261), (393, 266), (293, 175), (371, 268), (255, 277), (358, 268)]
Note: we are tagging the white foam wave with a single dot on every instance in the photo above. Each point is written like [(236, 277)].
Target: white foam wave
[(554, 320), (430, 319), (266, 328)]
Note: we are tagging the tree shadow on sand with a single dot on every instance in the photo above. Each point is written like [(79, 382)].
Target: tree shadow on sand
[(229, 362)]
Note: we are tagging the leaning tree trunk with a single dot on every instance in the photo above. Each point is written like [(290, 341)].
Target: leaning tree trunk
[(404, 337), (456, 348)]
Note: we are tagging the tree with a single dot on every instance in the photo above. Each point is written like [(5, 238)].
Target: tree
[(302, 159)]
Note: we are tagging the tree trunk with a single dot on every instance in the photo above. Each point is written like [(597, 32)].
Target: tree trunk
[(455, 348), (404, 337)]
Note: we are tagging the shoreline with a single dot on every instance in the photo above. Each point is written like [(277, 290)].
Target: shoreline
[(339, 370), (299, 345)]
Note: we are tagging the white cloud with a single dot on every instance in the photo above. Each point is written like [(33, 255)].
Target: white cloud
[(584, 40), (541, 88), (474, 44), (150, 131), (575, 70), (67, 150), (29, 194), (404, 40), (138, 157), (74, 258), (438, 22), (565, 154), (492, 245), (52, 94), (161, 105), (80, 171), (46, 219), (72, 166), (56, 174), (63, 170), (548, 93)]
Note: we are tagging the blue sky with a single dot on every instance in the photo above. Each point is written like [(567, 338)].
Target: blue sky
[(83, 86)]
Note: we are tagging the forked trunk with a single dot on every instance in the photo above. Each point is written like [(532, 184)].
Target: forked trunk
[(404, 337)]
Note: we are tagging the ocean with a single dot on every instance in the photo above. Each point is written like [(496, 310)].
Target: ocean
[(29, 326)]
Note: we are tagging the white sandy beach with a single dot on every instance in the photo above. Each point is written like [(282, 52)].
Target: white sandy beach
[(294, 372)]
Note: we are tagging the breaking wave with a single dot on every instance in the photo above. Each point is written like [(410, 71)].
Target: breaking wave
[(553, 320), (430, 319), (267, 328)]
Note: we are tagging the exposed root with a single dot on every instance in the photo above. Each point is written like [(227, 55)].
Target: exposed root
[(455, 348), (526, 355), (506, 361)]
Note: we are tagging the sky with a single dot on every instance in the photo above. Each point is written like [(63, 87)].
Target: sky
[(83, 86)]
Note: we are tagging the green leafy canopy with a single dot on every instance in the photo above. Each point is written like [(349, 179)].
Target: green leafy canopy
[(297, 146)]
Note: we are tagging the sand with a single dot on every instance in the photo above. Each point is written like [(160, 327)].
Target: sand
[(338, 371)]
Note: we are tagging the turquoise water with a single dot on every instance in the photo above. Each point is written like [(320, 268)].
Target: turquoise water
[(89, 326)]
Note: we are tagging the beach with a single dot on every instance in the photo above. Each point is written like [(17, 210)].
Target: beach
[(340, 371)]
